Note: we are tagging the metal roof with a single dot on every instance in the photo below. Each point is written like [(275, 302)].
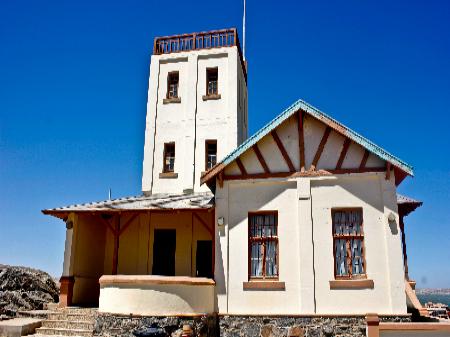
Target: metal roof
[(203, 200), (406, 205), (335, 125), (402, 199)]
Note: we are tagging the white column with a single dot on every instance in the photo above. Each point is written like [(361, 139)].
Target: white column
[(187, 148), (305, 229), (221, 249), (394, 257)]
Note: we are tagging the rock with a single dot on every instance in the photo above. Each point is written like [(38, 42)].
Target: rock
[(24, 288), (296, 331)]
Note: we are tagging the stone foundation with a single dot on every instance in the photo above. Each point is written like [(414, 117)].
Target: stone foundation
[(307, 326), (236, 326), (109, 325)]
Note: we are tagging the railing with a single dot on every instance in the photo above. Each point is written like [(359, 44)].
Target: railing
[(197, 41)]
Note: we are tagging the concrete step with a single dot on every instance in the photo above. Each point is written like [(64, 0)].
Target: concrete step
[(64, 332), (68, 324), (17, 327), (61, 316)]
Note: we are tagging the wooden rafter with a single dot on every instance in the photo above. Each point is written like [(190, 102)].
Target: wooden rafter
[(283, 150), (301, 140), (241, 166), (388, 170), (106, 223), (220, 178), (364, 159), (203, 223), (319, 151), (344, 150), (128, 223), (261, 159)]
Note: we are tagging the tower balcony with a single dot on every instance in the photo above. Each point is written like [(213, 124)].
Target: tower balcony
[(199, 41)]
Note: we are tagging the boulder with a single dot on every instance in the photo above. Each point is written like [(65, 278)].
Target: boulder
[(24, 288)]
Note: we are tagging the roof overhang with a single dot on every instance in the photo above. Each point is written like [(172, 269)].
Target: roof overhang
[(401, 169), (158, 203)]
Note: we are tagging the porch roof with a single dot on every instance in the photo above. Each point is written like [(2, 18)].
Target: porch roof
[(406, 204), (166, 202)]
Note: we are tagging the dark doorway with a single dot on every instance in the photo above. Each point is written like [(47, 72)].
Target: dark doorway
[(204, 259), (164, 246)]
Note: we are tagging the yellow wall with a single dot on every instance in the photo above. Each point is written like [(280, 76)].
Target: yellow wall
[(136, 242), (89, 250), (94, 247)]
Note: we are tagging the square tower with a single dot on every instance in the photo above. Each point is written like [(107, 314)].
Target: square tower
[(196, 110)]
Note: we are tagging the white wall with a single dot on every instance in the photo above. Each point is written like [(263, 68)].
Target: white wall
[(193, 120), (382, 247), (304, 216)]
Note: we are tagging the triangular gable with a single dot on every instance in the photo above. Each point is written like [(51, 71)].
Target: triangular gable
[(303, 141)]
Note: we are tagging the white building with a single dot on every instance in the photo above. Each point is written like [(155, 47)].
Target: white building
[(302, 218)]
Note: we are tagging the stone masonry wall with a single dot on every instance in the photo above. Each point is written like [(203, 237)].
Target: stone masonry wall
[(108, 325), (237, 326), (251, 326)]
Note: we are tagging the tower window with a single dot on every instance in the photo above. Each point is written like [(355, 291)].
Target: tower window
[(211, 81), (169, 157), (172, 84), (210, 153)]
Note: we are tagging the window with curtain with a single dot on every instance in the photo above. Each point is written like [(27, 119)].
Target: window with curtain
[(348, 244), (169, 157), (263, 245)]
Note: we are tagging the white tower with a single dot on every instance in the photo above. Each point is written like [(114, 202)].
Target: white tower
[(196, 110)]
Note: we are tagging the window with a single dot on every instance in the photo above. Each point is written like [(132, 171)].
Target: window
[(211, 81), (172, 84), (348, 244), (263, 245), (169, 157), (210, 153)]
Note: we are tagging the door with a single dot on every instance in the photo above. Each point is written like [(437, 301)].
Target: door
[(164, 246), (204, 259)]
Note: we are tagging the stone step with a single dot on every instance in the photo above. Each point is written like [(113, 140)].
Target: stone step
[(35, 313), (78, 310), (68, 324), (64, 332), (61, 316), (41, 335)]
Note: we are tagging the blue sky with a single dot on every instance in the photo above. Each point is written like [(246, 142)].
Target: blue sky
[(73, 93)]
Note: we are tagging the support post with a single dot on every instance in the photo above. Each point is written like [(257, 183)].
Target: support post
[(405, 256), (116, 247), (66, 291)]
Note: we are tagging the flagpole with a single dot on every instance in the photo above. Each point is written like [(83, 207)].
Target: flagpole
[(243, 32)]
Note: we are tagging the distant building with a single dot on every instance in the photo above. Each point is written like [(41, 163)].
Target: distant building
[(302, 218)]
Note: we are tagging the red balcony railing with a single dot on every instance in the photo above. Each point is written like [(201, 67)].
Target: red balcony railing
[(198, 41)]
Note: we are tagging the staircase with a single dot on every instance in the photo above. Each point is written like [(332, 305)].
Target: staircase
[(69, 321)]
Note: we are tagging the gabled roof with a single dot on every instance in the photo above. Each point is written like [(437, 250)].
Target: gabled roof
[(199, 200), (316, 113)]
